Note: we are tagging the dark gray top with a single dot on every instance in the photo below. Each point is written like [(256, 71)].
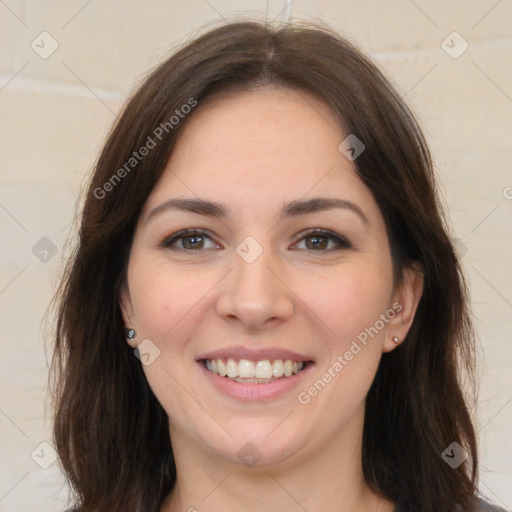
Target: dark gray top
[(484, 506)]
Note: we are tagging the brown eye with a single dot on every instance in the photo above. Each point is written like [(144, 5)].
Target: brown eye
[(319, 240), (187, 240), (192, 241)]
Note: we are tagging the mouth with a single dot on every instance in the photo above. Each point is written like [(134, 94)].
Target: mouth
[(262, 371), (254, 375)]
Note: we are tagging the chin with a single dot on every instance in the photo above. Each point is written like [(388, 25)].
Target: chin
[(255, 443)]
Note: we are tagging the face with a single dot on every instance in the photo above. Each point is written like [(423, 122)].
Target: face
[(288, 271)]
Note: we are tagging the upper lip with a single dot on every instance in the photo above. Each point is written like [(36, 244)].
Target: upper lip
[(254, 354)]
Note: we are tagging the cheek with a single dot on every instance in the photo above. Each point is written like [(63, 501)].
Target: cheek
[(351, 300), (350, 304), (163, 297), (351, 307)]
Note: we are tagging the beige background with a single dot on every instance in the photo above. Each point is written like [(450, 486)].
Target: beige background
[(55, 112)]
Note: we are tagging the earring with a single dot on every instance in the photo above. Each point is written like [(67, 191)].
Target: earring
[(395, 340), (130, 333)]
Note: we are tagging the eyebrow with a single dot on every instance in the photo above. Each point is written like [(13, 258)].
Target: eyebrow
[(292, 209)]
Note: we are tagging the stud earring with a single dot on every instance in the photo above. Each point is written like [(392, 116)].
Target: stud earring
[(130, 333), (395, 340)]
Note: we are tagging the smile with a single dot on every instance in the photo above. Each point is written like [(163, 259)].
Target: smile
[(257, 372)]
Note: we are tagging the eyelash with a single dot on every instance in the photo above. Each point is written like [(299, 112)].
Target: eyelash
[(167, 242)]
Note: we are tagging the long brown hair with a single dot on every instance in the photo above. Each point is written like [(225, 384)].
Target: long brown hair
[(110, 431)]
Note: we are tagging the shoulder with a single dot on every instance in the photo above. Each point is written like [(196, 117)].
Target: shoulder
[(485, 506), (480, 505)]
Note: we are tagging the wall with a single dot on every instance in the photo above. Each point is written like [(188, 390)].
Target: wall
[(57, 107)]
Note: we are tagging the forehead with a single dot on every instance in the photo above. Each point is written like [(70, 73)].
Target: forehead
[(261, 147)]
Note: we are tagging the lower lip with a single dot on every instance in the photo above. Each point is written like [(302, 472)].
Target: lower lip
[(251, 391)]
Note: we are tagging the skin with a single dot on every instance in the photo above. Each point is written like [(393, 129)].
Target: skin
[(253, 151)]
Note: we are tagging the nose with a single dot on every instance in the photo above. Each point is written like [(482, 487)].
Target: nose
[(255, 295)]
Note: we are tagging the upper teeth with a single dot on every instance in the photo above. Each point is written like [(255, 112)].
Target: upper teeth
[(245, 368)]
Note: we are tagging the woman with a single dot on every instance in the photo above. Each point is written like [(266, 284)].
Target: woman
[(264, 310)]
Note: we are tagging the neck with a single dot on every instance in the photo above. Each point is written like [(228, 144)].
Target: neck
[(331, 478)]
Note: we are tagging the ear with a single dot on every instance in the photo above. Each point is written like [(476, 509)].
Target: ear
[(404, 303), (125, 303)]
